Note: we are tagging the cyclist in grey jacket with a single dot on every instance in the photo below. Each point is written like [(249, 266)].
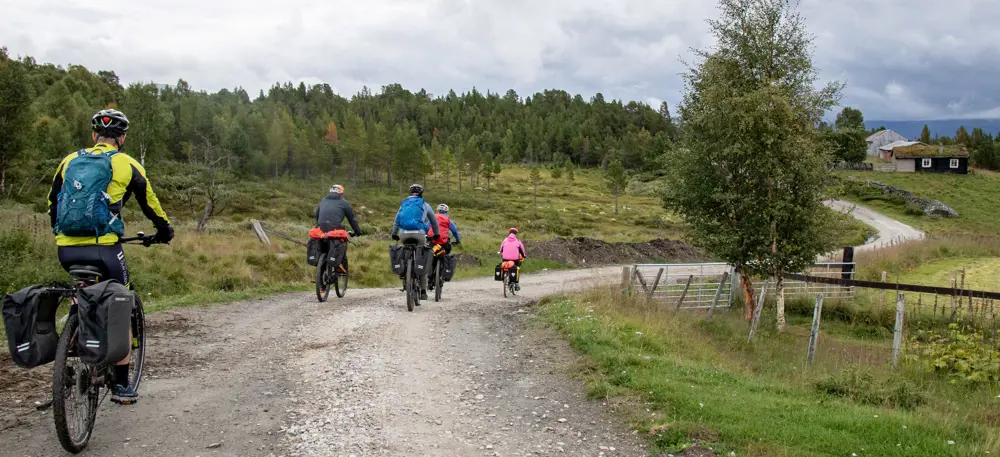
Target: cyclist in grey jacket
[(332, 210)]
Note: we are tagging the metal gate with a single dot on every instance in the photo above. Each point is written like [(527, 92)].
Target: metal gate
[(685, 285)]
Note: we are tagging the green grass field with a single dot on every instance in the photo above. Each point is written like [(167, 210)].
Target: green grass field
[(973, 196), (686, 381)]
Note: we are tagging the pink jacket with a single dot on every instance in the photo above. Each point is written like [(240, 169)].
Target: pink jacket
[(511, 248)]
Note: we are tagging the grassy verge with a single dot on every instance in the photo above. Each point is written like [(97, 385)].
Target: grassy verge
[(696, 382)]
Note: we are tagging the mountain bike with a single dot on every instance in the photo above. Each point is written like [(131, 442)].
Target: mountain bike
[(411, 283), (334, 272), (509, 286), (79, 388)]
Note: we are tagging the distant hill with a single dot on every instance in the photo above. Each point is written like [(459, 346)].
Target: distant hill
[(940, 127)]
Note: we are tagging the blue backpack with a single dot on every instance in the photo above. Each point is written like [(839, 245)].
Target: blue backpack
[(84, 206), (411, 214)]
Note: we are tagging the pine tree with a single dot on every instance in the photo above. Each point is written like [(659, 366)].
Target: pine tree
[(925, 135)]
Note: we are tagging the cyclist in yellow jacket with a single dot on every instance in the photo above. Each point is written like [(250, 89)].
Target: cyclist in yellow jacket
[(102, 250)]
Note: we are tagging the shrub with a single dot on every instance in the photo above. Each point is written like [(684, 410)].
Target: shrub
[(961, 353)]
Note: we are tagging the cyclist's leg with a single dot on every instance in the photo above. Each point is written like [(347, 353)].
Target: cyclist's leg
[(113, 258)]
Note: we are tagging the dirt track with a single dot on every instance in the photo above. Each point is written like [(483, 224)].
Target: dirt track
[(355, 376), (888, 228)]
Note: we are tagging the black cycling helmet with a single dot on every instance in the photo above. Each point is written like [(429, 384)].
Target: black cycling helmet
[(417, 189), (109, 123)]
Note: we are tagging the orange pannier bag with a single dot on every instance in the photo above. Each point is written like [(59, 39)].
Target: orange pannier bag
[(318, 234), (507, 264)]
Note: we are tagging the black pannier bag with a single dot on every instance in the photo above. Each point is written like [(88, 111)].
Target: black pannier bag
[(422, 257), (396, 259), (448, 264), (337, 252), (498, 273), (105, 313), (312, 252), (29, 319)]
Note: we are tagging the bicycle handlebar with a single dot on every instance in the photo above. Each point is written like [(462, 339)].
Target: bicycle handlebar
[(142, 238)]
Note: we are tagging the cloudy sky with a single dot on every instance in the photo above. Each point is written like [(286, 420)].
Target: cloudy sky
[(912, 59)]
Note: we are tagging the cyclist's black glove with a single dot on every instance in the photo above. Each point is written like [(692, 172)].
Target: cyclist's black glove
[(395, 237), (164, 234)]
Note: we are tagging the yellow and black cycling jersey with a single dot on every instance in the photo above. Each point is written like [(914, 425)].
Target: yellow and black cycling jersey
[(128, 178)]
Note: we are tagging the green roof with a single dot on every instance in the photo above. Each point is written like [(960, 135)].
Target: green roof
[(919, 151)]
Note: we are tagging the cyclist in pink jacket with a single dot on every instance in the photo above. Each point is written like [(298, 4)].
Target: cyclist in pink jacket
[(512, 249)]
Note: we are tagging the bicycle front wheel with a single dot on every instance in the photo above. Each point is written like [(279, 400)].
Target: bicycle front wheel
[(138, 344), (74, 394)]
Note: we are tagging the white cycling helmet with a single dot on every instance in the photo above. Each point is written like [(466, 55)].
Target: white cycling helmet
[(442, 208)]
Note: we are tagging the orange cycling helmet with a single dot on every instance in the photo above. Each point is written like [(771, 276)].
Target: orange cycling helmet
[(337, 189), (513, 230)]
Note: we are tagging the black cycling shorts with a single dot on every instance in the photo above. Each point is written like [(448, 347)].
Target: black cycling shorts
[(110, 259)]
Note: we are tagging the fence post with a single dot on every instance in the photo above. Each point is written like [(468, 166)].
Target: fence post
[(954, 283), (897, 336), (756, 313), (626, 278), (642, 281), (718, 292), (260, 232), (882, 299), (652, 290), (684, 294), (814, 334)]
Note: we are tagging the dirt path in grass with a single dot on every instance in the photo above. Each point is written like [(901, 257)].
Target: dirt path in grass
[(887, 228), (287, 376)]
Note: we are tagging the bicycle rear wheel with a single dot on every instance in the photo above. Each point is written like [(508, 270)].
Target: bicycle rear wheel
[(411, 278), (74, 396), (506, 281), (438, 283), (322, 287)]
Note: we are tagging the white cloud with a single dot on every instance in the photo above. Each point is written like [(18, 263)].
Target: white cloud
[(900, 59)]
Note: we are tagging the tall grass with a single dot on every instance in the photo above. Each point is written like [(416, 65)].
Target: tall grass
[(906, 257)]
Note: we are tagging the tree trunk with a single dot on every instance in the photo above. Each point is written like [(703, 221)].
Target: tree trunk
[(779, 288), (142, 154), (748, 303), (3, 177), (489, 192), (209, 206)]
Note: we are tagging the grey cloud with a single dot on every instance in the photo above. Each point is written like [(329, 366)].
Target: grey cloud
[(901, 59)]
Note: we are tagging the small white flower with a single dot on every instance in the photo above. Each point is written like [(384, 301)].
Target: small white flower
[(876, 416), (638, 333), (701, 405), (951, 442)]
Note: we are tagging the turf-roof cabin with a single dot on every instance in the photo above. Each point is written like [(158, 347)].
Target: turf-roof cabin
[(913, 156)]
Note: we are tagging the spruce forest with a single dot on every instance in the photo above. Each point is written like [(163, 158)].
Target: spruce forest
[(388, 137)]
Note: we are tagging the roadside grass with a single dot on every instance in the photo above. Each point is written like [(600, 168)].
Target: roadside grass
[(902, 261), (691, 382), (973, 196), (982, 273)]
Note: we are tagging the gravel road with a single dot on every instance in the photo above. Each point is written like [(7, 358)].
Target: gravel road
[(886, 227), (287, 376)]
